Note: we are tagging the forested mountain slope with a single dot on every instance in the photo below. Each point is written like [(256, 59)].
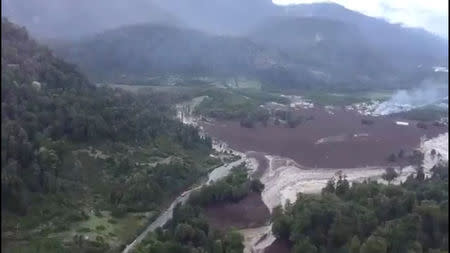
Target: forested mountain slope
[(303, 46), (56, 19), (146, 50), (405, 43), (282, 53), (69, 147)]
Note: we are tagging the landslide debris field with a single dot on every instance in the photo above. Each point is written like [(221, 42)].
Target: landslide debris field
[(330, 140)]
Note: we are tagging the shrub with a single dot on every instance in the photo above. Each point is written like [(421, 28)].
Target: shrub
[(100, 228), (118, 212), (392, 158), (98, 213), (74, 217), (112, 221), (422, 125), (256, 185), (367, 122), (401, 153), (83, 230), (438, 124), (247, 122)]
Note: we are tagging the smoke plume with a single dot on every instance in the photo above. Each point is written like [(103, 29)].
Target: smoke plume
[(427, 94)]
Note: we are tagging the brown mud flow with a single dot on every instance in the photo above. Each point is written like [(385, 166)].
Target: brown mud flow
[(250, 212), (279, 246), (336, 140), (263, 163)]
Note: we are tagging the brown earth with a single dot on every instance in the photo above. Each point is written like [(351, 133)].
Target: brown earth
[(263, 163), (385, 137), (250, 212), (279, 246)]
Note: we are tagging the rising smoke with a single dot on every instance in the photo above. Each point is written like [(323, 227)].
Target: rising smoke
[(429, 93)]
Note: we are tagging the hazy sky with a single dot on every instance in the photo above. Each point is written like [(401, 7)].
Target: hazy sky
[(429, 14)]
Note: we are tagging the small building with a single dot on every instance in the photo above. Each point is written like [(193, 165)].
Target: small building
[(37, 85), (401, 123)]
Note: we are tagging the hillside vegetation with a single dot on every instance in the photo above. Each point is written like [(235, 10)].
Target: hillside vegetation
[(189, 231), (69, 148), (370, 217), (139, 52), (283, 53)]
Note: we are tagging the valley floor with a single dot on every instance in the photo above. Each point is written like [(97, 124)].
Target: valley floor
[(337, 140)]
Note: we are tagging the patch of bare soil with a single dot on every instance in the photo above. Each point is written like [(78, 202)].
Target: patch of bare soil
[(279, 246), (248, 213), (352, 144)]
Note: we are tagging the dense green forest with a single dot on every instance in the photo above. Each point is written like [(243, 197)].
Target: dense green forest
[(370, 217), (161, 49), (284, 53), (69, 147), (232, 188), (188, 231)]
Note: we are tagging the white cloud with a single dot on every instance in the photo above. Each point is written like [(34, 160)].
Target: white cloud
[(431, 15)]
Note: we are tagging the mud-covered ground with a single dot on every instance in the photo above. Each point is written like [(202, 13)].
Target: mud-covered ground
[(330, 140), (279, 246), (250, 212), (288, 161)]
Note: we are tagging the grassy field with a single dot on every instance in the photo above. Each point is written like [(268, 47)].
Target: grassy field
[(114, 231), (235, 103), (343, 99), (85, 208)]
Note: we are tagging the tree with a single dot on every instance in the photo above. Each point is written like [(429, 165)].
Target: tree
[(389, 174), (416, 158), (233, 242), (281, 226), (342, 184), (340, 231), (217, 247), (415, 247), (392, 158), (367, 121), (256, 185), (422, 125), (49, 160), (355, 245), (433, 152), (304, 246), (330, 187), (374, 244), (401, 153), (184, 232), (440, 171), (420, 174), (247, 122)]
